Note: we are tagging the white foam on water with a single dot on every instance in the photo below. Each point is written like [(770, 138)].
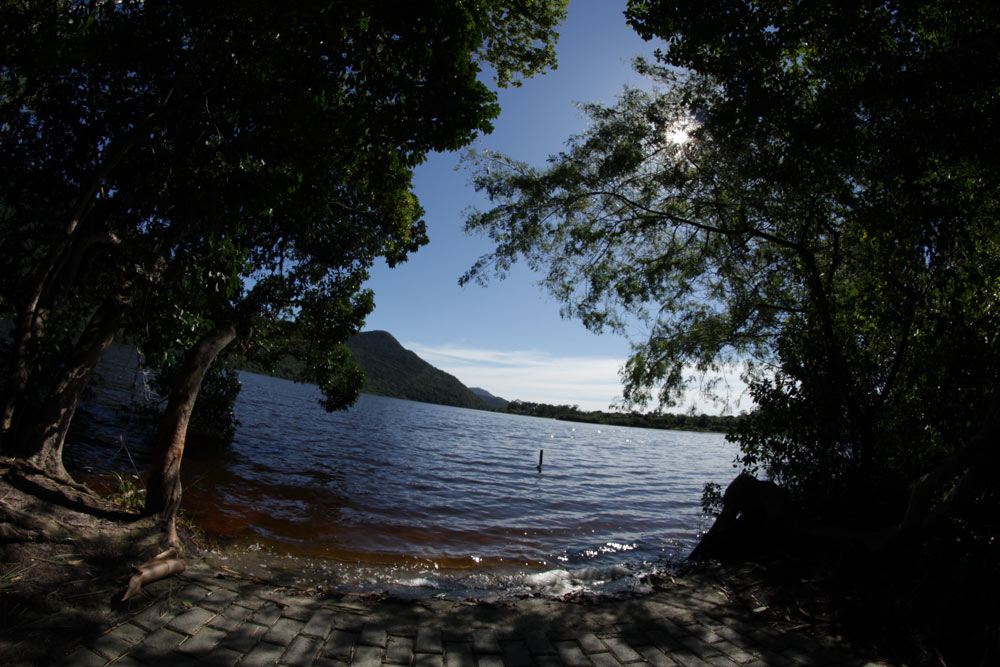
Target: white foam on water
[(562, 582), (418, 582)]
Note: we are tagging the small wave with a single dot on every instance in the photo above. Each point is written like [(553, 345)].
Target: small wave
[(418, 582), (561, 582)]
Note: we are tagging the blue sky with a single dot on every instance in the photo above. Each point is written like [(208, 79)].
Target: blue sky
[(509, 337)]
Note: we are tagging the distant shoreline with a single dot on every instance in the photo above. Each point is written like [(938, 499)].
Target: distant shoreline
[(668, 422)]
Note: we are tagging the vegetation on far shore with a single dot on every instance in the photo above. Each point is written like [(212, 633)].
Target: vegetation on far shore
[(393, 371), (674, 422)]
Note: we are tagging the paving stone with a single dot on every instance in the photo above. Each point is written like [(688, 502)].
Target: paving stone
[(320, 623), (300, 611), (734, 652), (456, 635), (655, 656), (484, 642), (302, 651), (263, 654), (252, 602), (688, 659), (373, 635), (133, 634), (516, 653), (230, 618), (539, 644), (191, 620), (732, 635), (129, 661), (399, 650), (428, 641), (590, 643), (157, 645), (459, 655), (571, 654), (367, 656), (83, 657), (203, 642), (283, 631), (153, 617), (236, 625), (340, 644), (192, 594), (708, 636), (767, 661), (622, 651), (119, 641), (349, 623), (631, 633), (562, 633), (698, 647), (682, 616), (548, 661), (221, 656), (245, 637), (604, 660), (325, 661), (402, 628), (218, 600), (267, 614), (428, 660), (667, 626), (664, 641)]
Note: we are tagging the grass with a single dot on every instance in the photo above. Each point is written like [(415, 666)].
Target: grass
[(13, 575), (129, 495)]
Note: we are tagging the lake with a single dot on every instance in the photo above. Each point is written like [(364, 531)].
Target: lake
[(427, 496)]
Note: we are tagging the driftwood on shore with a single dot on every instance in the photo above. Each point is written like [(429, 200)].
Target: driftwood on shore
[(156, 568)]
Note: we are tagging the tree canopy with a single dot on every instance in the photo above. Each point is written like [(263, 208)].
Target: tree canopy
[(807, 190), (194, 173)]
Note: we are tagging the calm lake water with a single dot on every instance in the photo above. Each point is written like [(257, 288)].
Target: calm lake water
[(425, 495)]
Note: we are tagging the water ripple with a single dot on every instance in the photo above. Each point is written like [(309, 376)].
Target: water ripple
[(395, 478)]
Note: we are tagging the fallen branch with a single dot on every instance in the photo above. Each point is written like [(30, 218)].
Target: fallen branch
[(156, 568)]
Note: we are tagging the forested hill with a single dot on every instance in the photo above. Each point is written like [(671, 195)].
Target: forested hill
[(494, 402), (397, 372), (391, 370)]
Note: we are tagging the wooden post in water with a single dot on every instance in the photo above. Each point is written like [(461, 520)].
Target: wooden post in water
[(541, 452)]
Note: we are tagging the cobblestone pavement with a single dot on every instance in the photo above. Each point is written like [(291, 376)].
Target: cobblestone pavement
[(204, 620)]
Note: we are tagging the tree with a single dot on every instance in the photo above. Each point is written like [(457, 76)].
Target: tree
[(196, 173), (809, 192)]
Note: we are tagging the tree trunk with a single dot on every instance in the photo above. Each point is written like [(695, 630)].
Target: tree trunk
[(47, 283), (44, 440), (163, 495)]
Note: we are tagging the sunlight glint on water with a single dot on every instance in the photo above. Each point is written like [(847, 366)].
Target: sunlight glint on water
[(423, 486)]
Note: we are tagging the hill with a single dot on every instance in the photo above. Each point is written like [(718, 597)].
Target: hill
[(493, 401), (396, 372), (391, 370)]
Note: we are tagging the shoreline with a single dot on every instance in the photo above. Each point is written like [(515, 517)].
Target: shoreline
[(426, 580), (702, 617)]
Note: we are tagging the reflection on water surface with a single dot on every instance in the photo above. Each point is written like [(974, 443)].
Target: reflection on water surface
[(426, 488)]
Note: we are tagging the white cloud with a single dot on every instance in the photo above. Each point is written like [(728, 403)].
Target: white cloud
[(592, 383)]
